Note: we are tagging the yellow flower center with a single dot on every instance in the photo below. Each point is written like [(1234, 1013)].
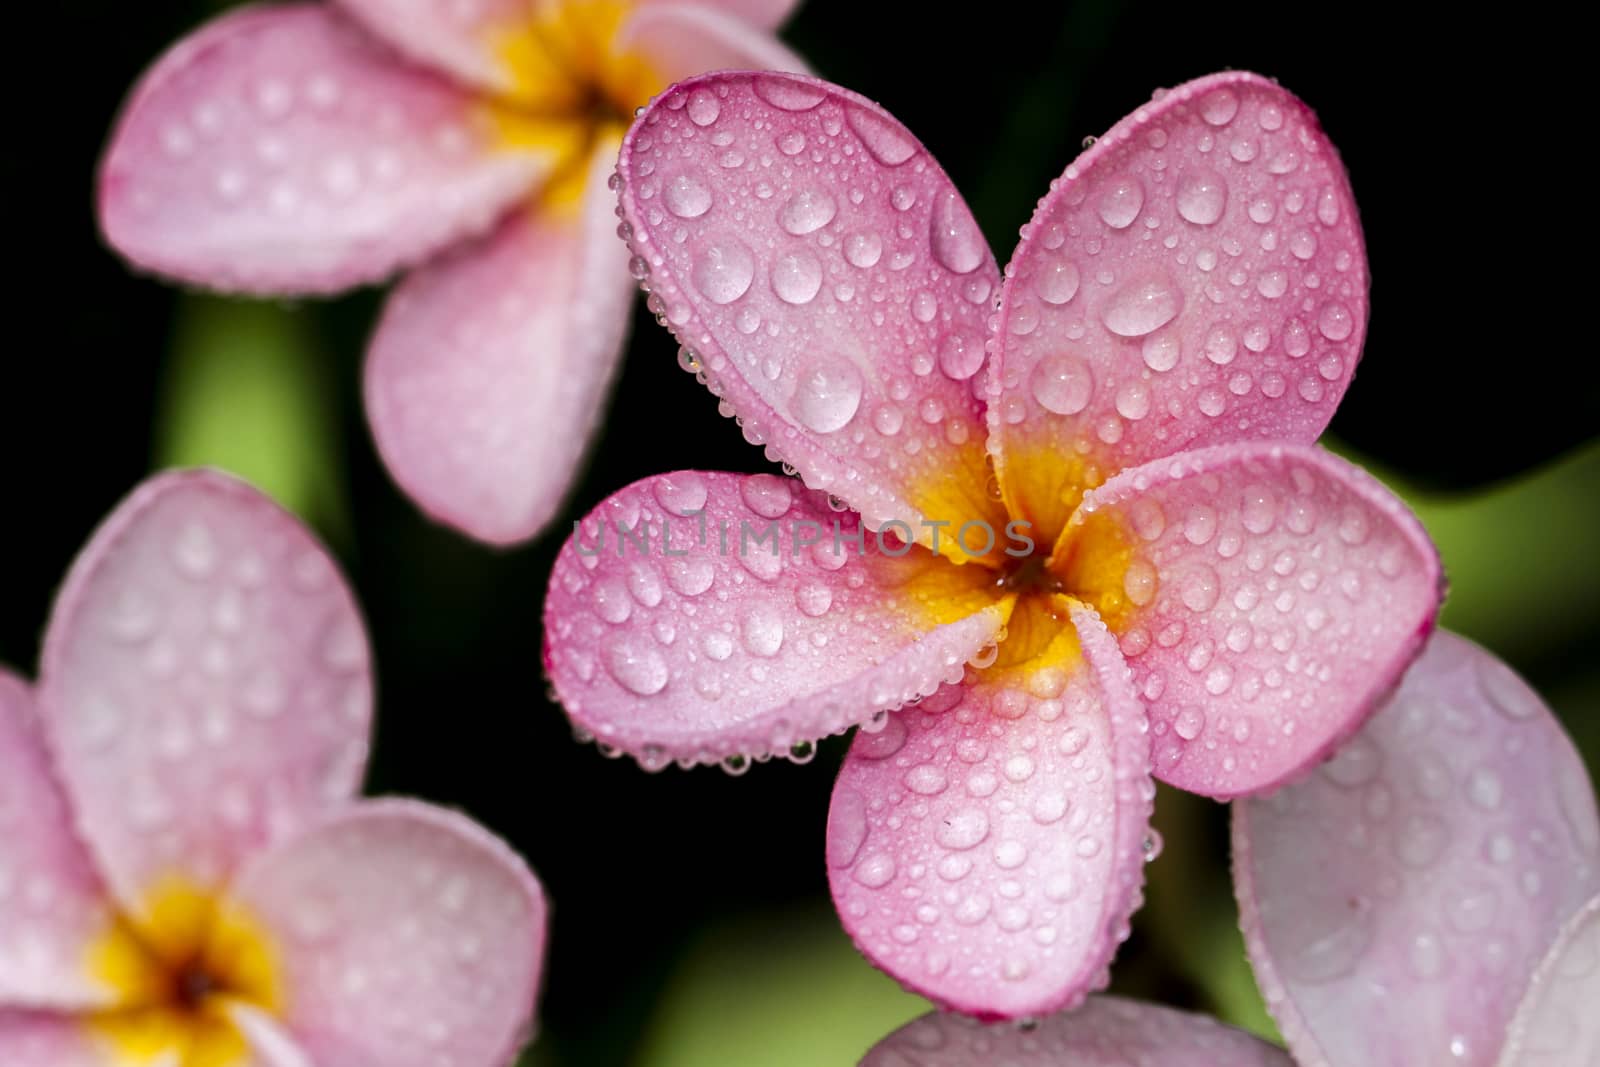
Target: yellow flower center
[(574, 84), (1036, 567), (175, 973)]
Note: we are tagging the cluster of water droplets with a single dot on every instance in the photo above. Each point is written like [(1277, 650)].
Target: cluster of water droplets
[(822, 275), (977, 845), (213, 682), (1260, 587), (1197, 276), (1454, 835), (225, 150), (727, 642)]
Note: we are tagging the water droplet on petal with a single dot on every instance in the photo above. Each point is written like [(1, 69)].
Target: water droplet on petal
[(686, 196), (889, 144), (1142, 306), (958, 244), (1202, 196), (827, 394), (636, 665), (796, 277), (1120, 202), (703, 107), (723, 271), (807, 211), (1062, 384)]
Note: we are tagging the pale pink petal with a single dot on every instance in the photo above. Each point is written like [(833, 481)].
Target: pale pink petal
[(987, 848), (1556, 1024), (764, 14), (1271, 596), (1103, 1032), (39, 1040), (828, 277), (678, 40), (280, 149), (52, 904), (458, 38), (407, 936), (1197, 277), (205, 684), (1396, 902), (490, 369), (751, 639)]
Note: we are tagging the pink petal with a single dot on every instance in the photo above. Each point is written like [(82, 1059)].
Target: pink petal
[(1273, 595), (205, 685), (1396, 902), (280, 149), (748, 642), (988, 847), (678, 40), (454, 37), (1103, 1032), (819, 264), (408, 937), (39, 1040), (489, 371), (1556, 1025), (1197, 277), (764, 14), (52, 904)]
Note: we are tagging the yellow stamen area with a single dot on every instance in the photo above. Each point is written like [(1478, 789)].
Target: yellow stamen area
[(574, 88), (174, 972), (1083, 558)]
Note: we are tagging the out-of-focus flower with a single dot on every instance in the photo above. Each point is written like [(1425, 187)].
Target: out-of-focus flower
[(1431, 895), (307, 148), (1122, 510), (185, 877)]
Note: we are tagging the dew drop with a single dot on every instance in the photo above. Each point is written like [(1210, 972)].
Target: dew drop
[(686, 196), (1142, 306), (723, 271), (827, 395), (958, 244), (1057, 282), (1120, 202), (807, 211), (636, 665), (1062, 384), (1202, 196)]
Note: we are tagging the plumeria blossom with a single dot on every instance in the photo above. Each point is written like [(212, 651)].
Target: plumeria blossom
[(186, 879), (1134, 521), (306, 148), (1429, 896)]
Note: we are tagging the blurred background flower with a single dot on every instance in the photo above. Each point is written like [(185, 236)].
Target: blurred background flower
[(690, 917)]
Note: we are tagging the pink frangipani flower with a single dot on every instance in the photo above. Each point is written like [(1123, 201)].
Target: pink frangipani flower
[(185, 877), (1042, 522), (305, 148), (1429, 896)]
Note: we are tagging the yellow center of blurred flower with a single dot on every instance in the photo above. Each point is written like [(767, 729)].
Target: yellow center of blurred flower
[(575, 83), (176, 973)]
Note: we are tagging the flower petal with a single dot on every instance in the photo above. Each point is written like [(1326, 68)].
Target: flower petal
[(733, 634), (408, 937), (1197, 277), (475, 42), (678, 40), (1266, 597), (1103, 1032), (489, 371), (52, 903), (1396, 902), (763, 14), (1556, 1025), (835, 299), (205, 685), (987, 848), (29, 1039), (280, 149)]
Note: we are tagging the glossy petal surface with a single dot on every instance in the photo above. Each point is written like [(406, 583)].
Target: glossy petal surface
[(1396, 902), (1197, 277), (1270, 596), (987, 848), (489, 370), (1556, 1025), (408, 937), (281, 149), (52, 903), (766, 632), (829, 278), (205, 683), (1102, 1032)]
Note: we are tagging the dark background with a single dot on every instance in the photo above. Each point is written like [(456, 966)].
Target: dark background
[(1478, 375)]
